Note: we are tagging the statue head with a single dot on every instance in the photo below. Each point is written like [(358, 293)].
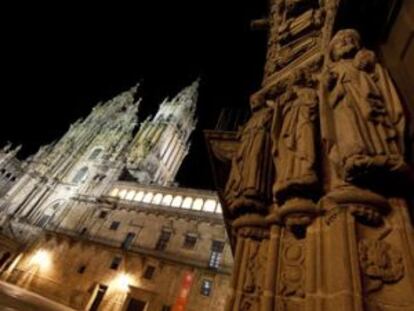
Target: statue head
[(345, 44), (257, 101)]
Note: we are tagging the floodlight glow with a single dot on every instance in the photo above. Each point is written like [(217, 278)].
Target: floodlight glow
[(41, 259), (122, 282)]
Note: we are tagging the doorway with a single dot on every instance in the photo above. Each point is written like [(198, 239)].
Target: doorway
[(136, 305), (98, 297)]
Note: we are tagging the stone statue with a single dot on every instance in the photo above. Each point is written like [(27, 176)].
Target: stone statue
[(249, 183), (293, 135), (363, 121)]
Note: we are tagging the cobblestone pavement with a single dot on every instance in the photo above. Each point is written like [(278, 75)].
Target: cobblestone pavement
[(13, 298)]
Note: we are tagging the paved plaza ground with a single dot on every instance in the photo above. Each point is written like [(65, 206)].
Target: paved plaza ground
[(13, 298)]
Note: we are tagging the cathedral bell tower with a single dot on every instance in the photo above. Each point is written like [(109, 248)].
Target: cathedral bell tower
[(161, 144)]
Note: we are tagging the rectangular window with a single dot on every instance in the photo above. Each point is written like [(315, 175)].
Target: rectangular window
[(206, 286), (149, 272), (190, 241), (163, 240), (128, 240), (103, 214), (216, 254), (114, 225), (116, 262), (81, 269)]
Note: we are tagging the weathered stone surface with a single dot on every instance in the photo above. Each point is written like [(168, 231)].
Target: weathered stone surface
[(336, 234)]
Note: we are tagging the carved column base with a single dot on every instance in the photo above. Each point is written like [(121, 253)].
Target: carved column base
[(249, 270)]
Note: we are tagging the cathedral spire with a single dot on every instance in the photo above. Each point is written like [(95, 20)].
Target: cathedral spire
[(162, 142)]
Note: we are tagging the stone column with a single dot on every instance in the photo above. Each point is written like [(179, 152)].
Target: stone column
[(316, 197)]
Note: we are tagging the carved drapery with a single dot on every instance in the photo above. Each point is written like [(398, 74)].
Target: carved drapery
[(363, 120), (316, 226)]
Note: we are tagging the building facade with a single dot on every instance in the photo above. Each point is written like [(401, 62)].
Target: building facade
[(94, 222)]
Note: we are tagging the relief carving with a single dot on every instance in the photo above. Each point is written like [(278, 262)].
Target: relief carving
[(294, 27), (293, 135), (380, 262), (293, 269), (363, 120), (249, 183)]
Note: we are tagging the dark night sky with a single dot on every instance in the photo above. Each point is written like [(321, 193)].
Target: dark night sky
[(57, 62)]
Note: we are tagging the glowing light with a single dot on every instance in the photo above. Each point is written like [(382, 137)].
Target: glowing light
[(41, 259), (122, 282)]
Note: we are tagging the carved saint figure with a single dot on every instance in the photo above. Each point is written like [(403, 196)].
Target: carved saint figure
[(363, 121), (293, 135), (249, 183)]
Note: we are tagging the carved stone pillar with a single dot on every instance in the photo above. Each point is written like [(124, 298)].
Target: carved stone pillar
[(316, 198), (250, 269)]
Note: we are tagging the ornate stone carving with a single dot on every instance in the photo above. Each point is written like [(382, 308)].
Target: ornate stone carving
[(293, 135), (363, 120), (296, 26), (380, 262), (249, 183), (292, 274)]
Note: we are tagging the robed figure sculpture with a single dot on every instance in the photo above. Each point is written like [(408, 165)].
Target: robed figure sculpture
[(363, 121)]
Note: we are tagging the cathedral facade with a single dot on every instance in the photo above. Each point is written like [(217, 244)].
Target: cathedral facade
[(94, 221)]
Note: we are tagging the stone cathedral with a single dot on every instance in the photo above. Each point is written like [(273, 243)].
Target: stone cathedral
[(95, 221), (317, 186)]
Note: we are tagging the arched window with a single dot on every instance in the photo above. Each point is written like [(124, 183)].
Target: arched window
[(198, 204), (81, 175), (139, 196), (167, 200), (122, 194), (148, 197), (187, 202), (94, 155), (209, 206), (157, 198), (177, 201), (130, 195), (114, 192)]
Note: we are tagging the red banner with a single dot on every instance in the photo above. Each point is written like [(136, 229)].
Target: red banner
[(184, 292)]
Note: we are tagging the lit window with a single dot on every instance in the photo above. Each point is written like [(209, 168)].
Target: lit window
[(81, 175), (167, 200), (177, 201), (187, 202), (216, 254), (149, 272), (139, 196), (206, 286), (148, 197), (209, 206), (122, 193), (157, 198), (114, 192), (198, 203), (219, 209), (130, 195)]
